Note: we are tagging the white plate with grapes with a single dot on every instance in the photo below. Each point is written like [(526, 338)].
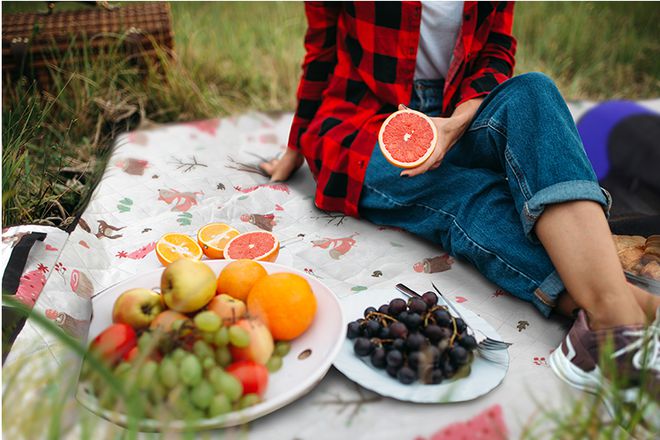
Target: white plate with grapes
[(304, 362), (416, 350)]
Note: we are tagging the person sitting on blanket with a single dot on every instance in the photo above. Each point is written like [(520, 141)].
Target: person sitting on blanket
[(508, 188)]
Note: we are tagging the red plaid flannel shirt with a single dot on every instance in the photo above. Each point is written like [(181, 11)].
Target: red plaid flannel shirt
[(359, 65)]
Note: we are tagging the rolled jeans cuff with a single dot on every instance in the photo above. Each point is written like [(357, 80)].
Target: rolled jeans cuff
[(559, 193), (545, 296)]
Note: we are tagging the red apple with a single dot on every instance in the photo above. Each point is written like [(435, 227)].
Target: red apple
[(261, 342), (131, 354), (165, 319), (227, 308), (114, 342), (137, 308), (134, 353), (253, 376)]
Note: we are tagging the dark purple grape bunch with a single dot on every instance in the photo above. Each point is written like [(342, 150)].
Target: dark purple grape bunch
[(414, 340)]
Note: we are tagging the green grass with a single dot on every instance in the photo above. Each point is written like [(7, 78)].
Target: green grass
[(592, 50)]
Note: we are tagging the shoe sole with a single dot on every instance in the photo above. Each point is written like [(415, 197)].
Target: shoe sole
[(577, 378)]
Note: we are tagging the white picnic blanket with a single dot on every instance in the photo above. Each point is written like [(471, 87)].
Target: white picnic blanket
[(181, 177)]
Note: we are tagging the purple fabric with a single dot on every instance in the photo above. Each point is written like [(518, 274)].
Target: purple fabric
[(596, 125)]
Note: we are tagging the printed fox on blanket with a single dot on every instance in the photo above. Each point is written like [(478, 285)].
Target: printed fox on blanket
[(338, 246), (183, 201)]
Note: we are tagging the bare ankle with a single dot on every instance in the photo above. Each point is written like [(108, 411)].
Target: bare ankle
[(609, 317), (647, 301)]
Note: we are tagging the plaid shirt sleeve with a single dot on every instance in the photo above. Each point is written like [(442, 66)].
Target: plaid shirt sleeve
[(318, 65), (494, 63)]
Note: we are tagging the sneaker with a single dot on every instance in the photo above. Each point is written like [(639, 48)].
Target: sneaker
[(635, 355)]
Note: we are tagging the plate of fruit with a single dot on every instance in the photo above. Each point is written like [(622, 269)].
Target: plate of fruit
[(208, 344), (416, 349)]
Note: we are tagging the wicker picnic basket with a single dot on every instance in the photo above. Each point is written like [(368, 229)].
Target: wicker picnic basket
[(33, 42)]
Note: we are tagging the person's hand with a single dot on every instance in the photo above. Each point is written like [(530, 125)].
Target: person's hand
[(281, 169), (450, 131)]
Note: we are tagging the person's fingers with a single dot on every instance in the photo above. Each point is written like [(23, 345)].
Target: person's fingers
[(434, 159), (270, 166), (281, 174), (412, 172), (284, 168), (435, 165), (278, 176)]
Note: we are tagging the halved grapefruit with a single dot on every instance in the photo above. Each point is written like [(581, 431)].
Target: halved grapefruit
[(407, 138), (258, 245), (213, 237)]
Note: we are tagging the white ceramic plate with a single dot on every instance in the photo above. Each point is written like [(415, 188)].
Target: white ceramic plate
[(296, 377), (484, 375)]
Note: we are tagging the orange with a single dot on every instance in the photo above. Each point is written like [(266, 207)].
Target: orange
[(285, 303), (213, 237), (238, 277), (173, 246)]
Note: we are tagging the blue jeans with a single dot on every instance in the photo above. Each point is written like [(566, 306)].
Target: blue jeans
[(520, 153)]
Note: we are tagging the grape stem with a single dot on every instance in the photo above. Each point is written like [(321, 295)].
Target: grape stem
[(455, 333), (428, 314), (381, 315), (381, 341)]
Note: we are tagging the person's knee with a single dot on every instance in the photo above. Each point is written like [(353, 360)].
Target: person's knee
[(533, 84)]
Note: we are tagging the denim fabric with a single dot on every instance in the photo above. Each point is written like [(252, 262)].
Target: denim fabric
[(521, 153)]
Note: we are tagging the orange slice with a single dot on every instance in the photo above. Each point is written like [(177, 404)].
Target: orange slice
[(213, 237), (173, 246), (258, 245)]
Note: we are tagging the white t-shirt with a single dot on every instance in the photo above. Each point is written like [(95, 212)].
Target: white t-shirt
[(441, 21)]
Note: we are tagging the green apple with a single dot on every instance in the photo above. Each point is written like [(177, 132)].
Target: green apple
[(187, 285), (137, 308)]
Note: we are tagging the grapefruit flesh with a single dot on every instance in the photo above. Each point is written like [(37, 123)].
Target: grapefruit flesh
[(259, 246), (407, 138)]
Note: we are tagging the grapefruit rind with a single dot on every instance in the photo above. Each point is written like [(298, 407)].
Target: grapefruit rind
[(419, 161), (270, 255)]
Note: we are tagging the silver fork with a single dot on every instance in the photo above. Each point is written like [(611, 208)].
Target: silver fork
[(490, 342), (487, 344)]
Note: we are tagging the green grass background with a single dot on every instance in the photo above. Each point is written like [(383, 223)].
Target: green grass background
[(234, 57)]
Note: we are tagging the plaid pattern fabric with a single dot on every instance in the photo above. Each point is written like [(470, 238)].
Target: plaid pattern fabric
[(359, 65)]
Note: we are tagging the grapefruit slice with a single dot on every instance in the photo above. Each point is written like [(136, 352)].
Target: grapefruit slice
[(213, 238), (258, 245), (407, 138), (173, 246)]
